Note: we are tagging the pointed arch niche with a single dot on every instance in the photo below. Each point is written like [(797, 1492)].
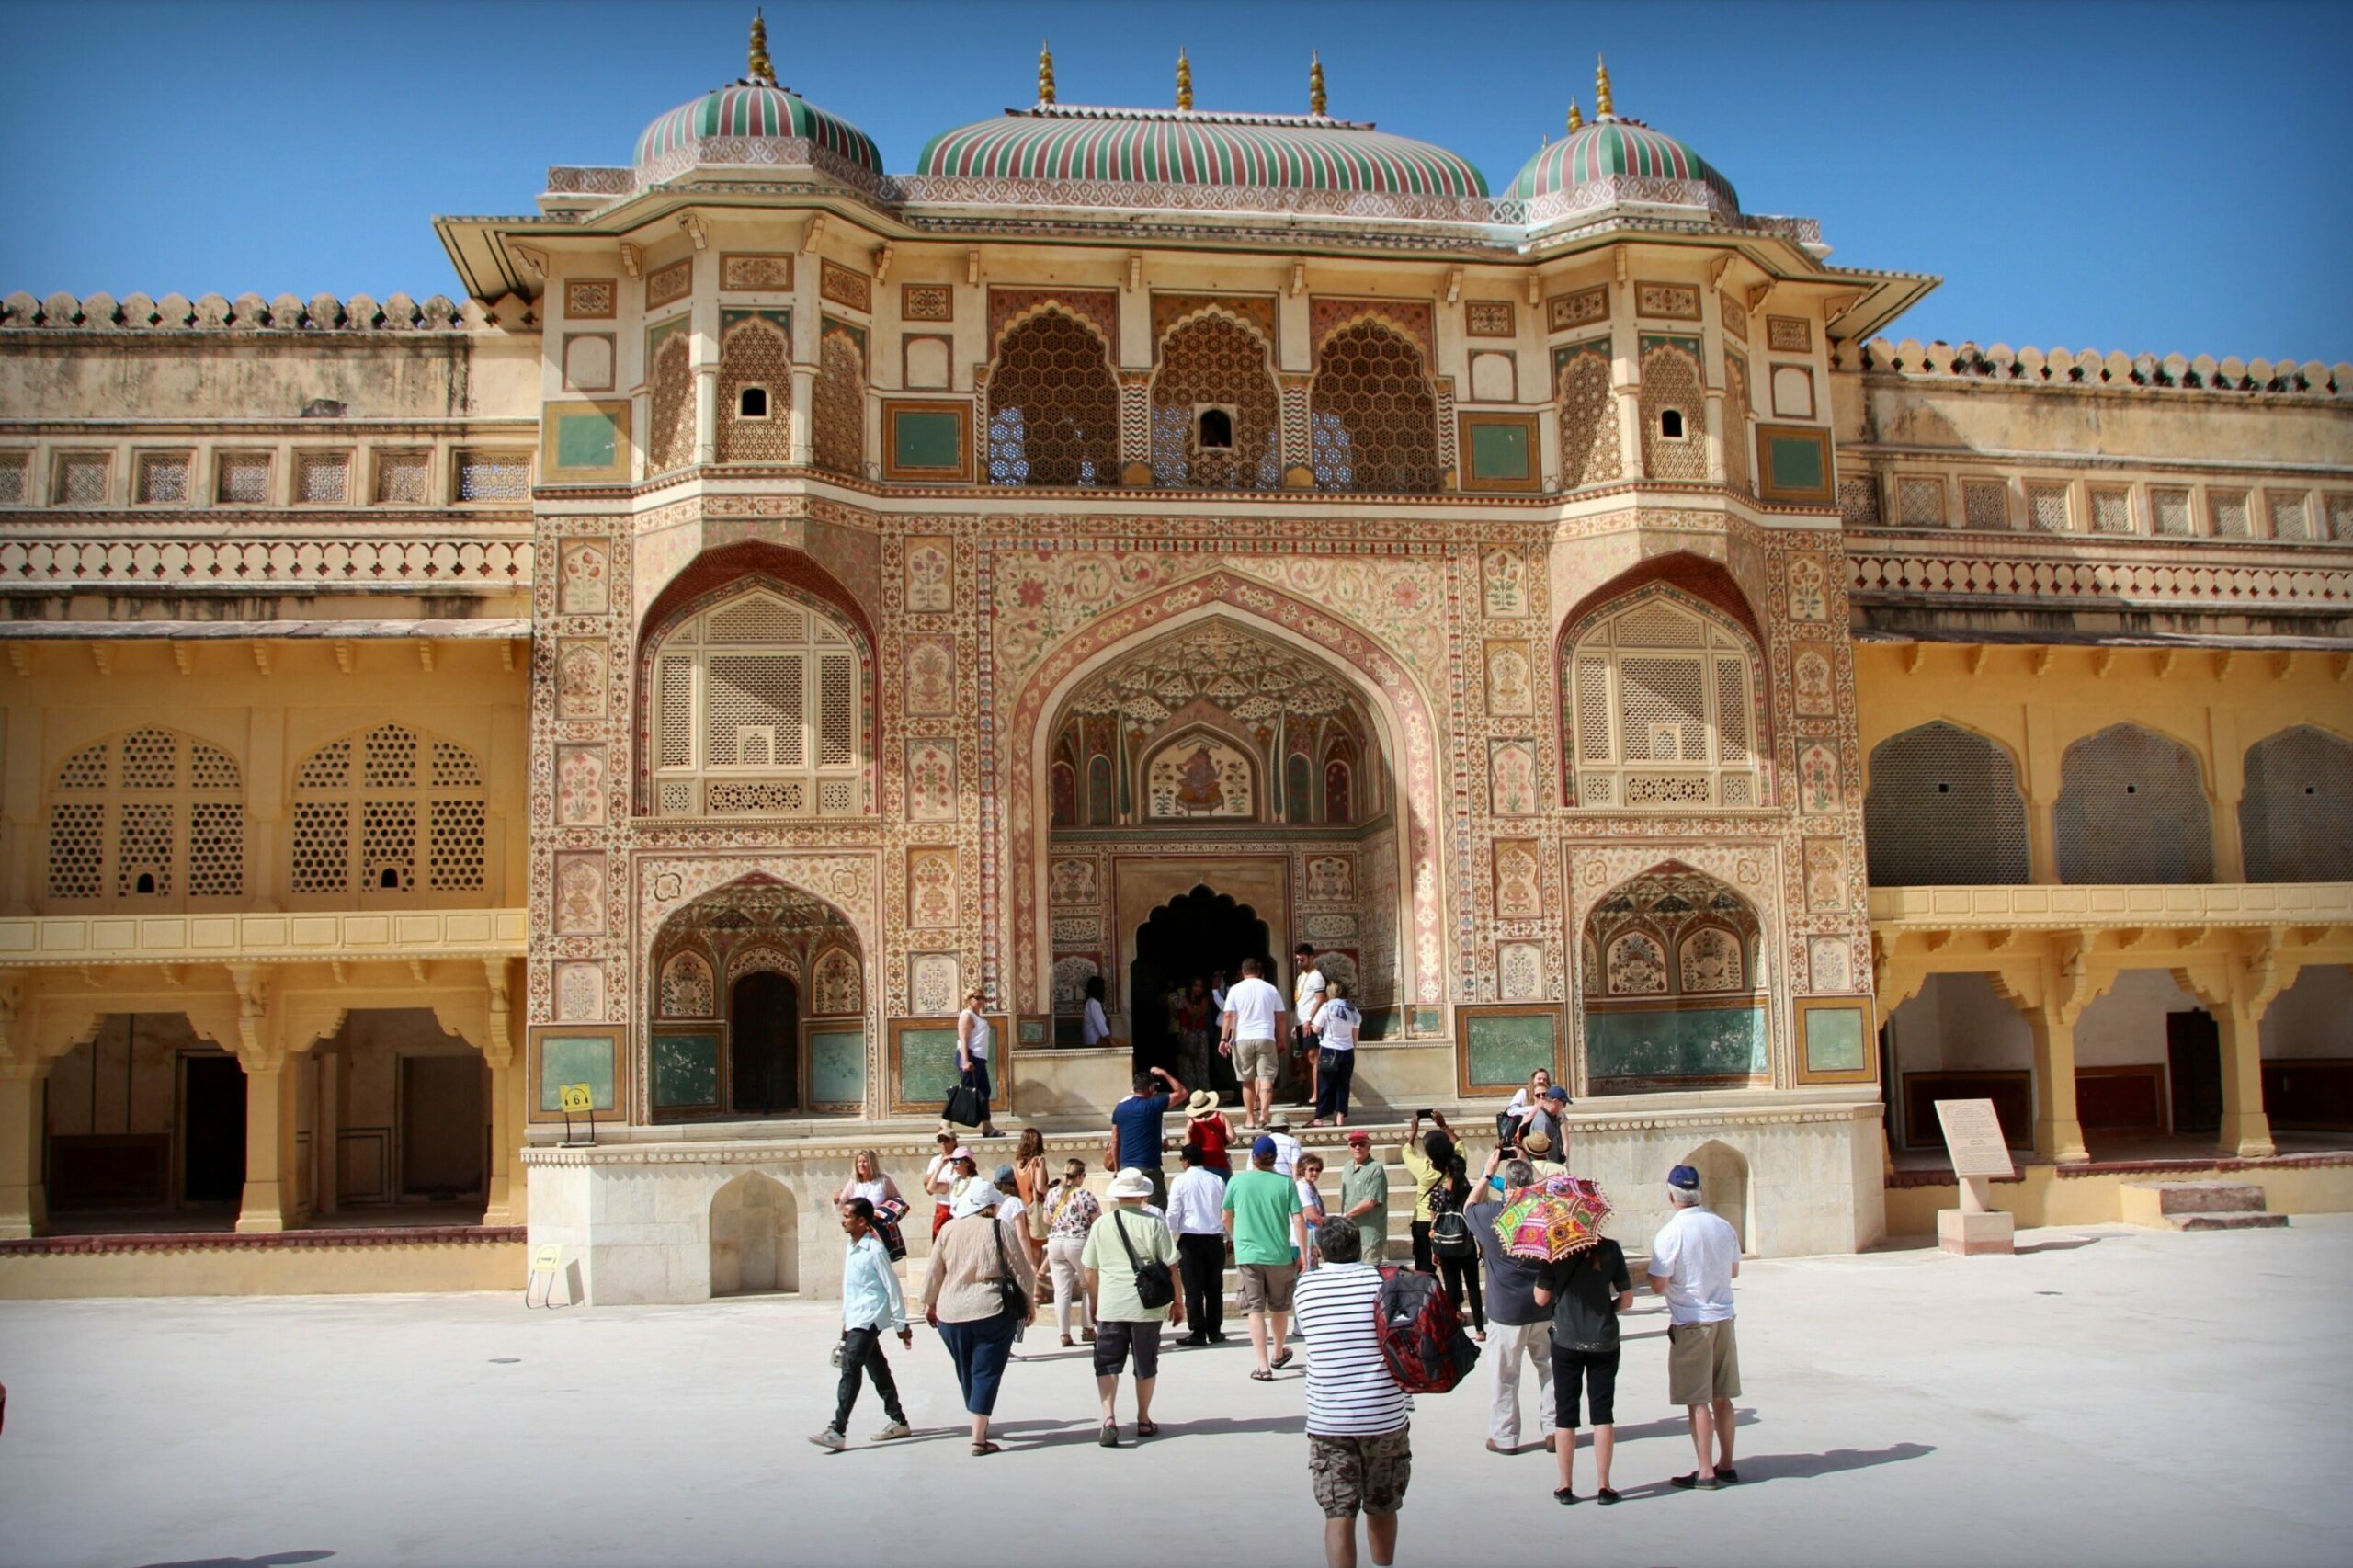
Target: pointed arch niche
[(1673, 995), (1660, 705), (758, 1007), (1226, 751)]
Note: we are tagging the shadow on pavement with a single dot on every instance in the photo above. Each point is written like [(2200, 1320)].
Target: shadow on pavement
[(2069, 1245), (1755, 1468), (271, 1560)]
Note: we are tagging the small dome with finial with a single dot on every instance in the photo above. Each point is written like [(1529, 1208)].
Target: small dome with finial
[(1600, 153), (749, 119)]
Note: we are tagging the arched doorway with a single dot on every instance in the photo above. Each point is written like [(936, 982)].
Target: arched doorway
[(764, 1044), (1674, 994), (1193, 936), (758, 1007)]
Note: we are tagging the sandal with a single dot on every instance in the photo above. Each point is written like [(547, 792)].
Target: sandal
[(1608, 1494), (1563, 1495), (1147, 1428), (1286, 1359), (1260, 1375), (1065, 1341), (980, 1449), (1110, 1437)]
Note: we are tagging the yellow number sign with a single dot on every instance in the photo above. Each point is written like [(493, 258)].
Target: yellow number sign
[(549, 1255), (576, 1097)]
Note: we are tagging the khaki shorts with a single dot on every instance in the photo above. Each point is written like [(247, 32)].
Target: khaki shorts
[(1267, 1287), (1255, 1059), (1702, 1363), (1360, 1475)]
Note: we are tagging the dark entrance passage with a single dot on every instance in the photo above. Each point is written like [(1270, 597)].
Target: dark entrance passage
[(212, 1130), (764, 1074), (1185, 940), (2194, 1061)]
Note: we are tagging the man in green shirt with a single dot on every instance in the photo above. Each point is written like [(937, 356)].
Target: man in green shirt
[(1364, 1195), (1262, 1216)]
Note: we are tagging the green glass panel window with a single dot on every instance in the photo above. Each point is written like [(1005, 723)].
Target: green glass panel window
[(585, 440), (921, 438), (1499, 451)]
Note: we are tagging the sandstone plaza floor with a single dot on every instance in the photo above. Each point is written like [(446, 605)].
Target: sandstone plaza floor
[(2109, 1396)]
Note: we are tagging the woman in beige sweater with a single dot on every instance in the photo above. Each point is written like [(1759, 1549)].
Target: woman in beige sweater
[(969, 1256)]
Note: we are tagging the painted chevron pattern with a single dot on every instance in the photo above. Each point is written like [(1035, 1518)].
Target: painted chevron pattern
[(757, 111)]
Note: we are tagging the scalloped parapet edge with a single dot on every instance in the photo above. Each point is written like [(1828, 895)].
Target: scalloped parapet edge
[(2090, 368), (251, 312)]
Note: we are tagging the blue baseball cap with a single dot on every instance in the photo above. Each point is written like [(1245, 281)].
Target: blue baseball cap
[(1684, 1177), (1557, 1093), (1266, 1148)]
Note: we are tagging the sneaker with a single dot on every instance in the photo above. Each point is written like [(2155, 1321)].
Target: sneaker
[(894, 1429), (1695, 1482), (832, 1438)]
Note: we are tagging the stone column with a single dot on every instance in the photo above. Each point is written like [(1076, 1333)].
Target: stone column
[(1718, 474), (271, 1086), (501, 1206), (802, 436), (24, 1202), (2041, 785), (2246, 1129), (2058, 1132), (326, 1138), (706, 414)]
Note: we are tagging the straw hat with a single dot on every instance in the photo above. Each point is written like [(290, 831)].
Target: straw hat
[(1537, 1143), (1202, 1104), (1130, 1182)]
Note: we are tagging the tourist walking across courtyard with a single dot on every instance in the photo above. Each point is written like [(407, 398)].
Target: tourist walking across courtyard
[(1262, 1216), (1076, 1211), (1359, 1450), (1207, 1130), (940, 1178), (1031, 1183), (1196, 1017), (1694, 1259), (1197, 1218), (974, 1039), (1336, 1024), (1253, 1021), (979, 1293), (1586, 1292), (1519, 1328), (1364, 1197), (1136, 1123), (1133, 1295), (1453, 1246), (871, 1307)]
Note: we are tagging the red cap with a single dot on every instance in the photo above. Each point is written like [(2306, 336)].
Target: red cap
[(1364, 1138)]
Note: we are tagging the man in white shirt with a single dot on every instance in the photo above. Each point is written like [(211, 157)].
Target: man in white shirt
[(1694, 1259), (1285, 1150), (1307, 999), (1196, 1217), (1253, 1022)]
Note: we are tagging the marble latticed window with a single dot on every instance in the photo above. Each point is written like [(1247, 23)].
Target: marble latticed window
[(1373, 416), (148, 819), (1590, 453), (1661, 712), (1054, 406), (388, 813), (754, 355), (838, 422), (2296, 818), (757, 713), (1216, 417), (1944, 807), (2132, 808)]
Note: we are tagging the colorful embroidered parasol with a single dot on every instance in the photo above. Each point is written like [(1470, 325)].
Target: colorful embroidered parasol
[(1556, 1220)]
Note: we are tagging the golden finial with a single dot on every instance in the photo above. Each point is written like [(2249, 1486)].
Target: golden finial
[(1317, 104), (761, 71), (1576, 115), (1184, 81), (1046, 72), (1600, 87)]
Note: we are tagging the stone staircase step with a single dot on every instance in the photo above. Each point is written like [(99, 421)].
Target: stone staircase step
[(2236, 1220), (2161, 1202)]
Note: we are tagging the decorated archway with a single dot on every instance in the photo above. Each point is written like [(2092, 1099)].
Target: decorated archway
[(1672, 990)]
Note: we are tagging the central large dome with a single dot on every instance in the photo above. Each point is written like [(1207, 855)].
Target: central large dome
[(1185, 147)]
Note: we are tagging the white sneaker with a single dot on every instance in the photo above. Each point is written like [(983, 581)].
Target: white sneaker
[(831, 1438), (894, 1429)]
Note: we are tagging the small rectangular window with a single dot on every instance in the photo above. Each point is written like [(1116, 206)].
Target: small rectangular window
[(323, 479), (404, 479), (163, 479), (81, 479), (494, 476), (12, 478), (243, 479)]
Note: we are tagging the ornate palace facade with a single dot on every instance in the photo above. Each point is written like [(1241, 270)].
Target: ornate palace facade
[(784, 595)]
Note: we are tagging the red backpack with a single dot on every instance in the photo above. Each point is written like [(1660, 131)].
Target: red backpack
[(1422, 1336)]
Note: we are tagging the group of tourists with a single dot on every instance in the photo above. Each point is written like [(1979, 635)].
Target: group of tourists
[(1149, 1256)]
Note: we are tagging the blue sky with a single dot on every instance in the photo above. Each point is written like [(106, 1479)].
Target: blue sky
[(2115, 176)]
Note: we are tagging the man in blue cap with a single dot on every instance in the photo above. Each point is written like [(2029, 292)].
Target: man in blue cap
[(1694, 1259), (1262, 1215)]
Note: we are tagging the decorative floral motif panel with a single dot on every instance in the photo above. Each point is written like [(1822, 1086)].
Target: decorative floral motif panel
[(1511, 777), (931, 888), (1510, 679), (1818, 788), (687, 991), (582, 587), (934, 984), (748, 273), (931, 781), (580, 782), (1564, 313), (1830, 963), (1677, 301), (931, 677), (579, 895), (927, 301), (668, 284), (1520, 879), (1503, 576), (931, 576)]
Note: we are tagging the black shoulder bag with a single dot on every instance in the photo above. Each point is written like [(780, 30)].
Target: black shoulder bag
[(1156, 1286), (1008, 1288)]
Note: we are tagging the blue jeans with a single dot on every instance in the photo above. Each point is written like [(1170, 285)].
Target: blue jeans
[(979, 1348)]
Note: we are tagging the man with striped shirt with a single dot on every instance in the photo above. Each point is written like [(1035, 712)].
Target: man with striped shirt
[(1358, 1452)]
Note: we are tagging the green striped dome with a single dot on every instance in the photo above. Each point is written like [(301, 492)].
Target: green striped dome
[(757, 110), (1184, 147), (1611, 148)]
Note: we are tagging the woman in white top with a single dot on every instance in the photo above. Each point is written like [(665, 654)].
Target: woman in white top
[(940, 1178), (1336, 1025), (974, 1040), (1525, 1103), (1093, 1028), (867, 1181), (1308, 1173)]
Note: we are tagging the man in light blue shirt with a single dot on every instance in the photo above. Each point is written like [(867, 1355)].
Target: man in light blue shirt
[(871, 1304)]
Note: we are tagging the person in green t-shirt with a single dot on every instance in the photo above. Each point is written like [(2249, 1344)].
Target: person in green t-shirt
[(1262, 1215), (1364, 1196)]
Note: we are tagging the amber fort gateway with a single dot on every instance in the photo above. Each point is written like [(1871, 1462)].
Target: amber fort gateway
[(783, 594)]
